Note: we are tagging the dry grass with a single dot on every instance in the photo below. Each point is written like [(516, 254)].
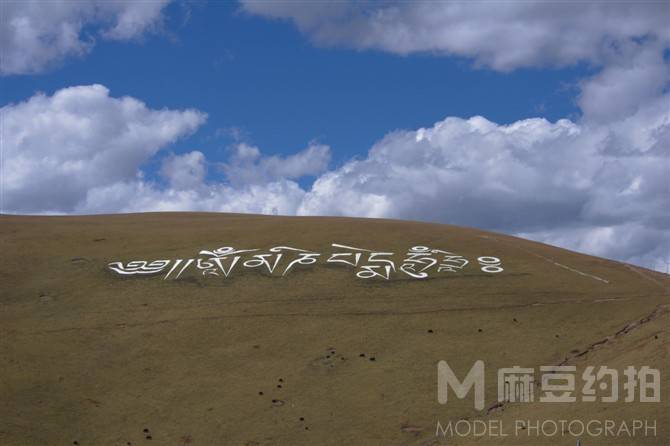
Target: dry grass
[(91, 357)]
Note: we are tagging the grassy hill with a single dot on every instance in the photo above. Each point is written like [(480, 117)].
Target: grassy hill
[(319, 356)]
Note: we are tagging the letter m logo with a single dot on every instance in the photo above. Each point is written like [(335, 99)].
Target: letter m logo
[(446, 378)]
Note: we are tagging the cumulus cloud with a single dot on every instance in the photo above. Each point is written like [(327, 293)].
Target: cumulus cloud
[(82, 151), (503, 35), (35, 35), (596, 187), (635, 74), (278, 197), (185, 171), (247, 166), (601, 189), (56, 148), (253, 183)]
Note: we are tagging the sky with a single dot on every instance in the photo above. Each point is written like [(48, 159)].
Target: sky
[(546, 120)]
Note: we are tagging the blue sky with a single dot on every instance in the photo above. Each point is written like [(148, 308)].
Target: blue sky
[(265, 79), (546, 120)]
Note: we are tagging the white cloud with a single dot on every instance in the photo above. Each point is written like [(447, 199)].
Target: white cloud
[(278, 197), (635, 75), (500, 34), (82, 151), (253, 183), (247, 166), (600, 189), (130, 19), (185, 171), (35, 35), (56, 148), (633, 242)]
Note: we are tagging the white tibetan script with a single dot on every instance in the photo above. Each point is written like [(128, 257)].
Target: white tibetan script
[(419, 262)]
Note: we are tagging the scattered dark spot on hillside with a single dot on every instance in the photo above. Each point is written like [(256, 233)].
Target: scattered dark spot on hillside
[(44, 297), (329, 360)]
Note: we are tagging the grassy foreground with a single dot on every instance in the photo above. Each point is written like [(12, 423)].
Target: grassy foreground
[(92, 358)]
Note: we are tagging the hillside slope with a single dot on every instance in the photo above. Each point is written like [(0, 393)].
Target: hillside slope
[(317, 356)]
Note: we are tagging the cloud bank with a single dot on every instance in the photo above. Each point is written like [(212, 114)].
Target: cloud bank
[(35, 35), (503, 35), (55, 149)]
